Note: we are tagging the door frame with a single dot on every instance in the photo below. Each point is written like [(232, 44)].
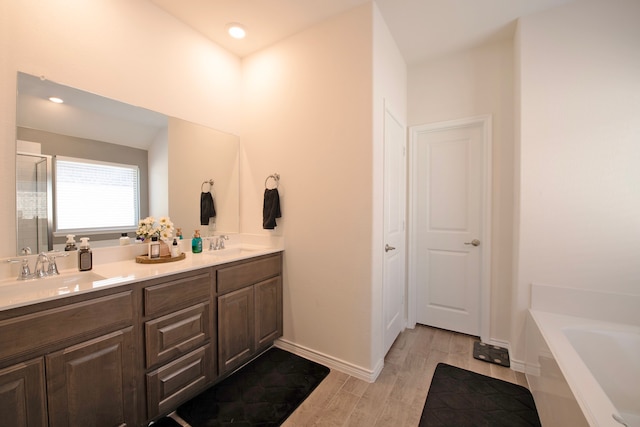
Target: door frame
[(487, 174), (403, 321)]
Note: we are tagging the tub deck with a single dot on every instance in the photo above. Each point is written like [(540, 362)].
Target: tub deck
[(603, 385)]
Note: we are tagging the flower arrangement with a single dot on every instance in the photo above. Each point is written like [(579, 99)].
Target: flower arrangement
[(148, 228)]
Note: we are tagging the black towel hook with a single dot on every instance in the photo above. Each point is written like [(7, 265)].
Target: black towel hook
[(210, 182), (276, 180)]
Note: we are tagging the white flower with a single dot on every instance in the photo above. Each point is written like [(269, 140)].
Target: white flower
[(147, 227)]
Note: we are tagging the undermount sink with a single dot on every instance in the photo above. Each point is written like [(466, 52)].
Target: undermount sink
[(13, 291), (234, 251), (72, 279)]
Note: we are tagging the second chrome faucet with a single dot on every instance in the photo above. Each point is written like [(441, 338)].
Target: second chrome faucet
[(217, 243)]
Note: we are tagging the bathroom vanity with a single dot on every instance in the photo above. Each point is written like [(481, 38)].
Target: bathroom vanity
[(136, 345)]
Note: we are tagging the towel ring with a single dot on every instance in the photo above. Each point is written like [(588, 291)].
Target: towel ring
[(210, 182), (276, 179)]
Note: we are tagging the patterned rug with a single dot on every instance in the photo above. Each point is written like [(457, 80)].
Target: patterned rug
[(461, 398), (262, 393)]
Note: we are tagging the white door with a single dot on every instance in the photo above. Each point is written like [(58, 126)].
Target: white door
[(449, 191), (394, 229)]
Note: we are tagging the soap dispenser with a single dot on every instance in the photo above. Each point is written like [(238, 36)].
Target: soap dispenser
[(85, 257), (124, 239), (71, 243), (175, 248), (196, 243)]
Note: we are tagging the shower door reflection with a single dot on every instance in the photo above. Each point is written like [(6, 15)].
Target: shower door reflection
[(34, 202)]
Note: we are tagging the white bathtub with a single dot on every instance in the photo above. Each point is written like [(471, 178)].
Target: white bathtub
[(584, 371), (612, 356)]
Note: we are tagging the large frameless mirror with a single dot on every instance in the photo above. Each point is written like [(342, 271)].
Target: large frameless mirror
[(95, 130)]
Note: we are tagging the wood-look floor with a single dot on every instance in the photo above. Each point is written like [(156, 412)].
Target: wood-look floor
[(398, 395)]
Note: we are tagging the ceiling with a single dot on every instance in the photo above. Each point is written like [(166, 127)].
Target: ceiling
[(423, 29)]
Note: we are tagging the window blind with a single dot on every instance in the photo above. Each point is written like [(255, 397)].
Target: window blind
[(95, 196)]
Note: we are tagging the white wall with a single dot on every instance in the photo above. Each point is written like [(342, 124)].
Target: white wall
[(579, 193), (465, 84), (307, 115), (126, 50)]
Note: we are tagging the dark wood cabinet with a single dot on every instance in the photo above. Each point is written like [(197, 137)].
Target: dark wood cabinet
[(129, 354), (178, 331), (91, 383), (250, 312), (69, 362), (22, 395)]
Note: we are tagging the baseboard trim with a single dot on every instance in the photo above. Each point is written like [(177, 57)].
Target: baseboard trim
[(331, 362), (516, 365)]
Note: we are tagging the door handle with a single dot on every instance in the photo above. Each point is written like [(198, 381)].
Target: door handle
[(474, 242), (388, 248)]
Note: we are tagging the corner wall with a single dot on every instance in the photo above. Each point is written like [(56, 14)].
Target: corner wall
[(307, 115), (579, 192)]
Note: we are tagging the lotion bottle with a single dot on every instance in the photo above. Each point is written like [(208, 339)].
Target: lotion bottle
[(124, 239), (85, 257), (175, 248)]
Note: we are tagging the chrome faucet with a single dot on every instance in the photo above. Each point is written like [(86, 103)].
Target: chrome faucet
[(218, 243), (40, 271), (53, 267), (25, 271)]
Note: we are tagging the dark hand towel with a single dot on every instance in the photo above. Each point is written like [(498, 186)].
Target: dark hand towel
[(270, 208), (207, 208)]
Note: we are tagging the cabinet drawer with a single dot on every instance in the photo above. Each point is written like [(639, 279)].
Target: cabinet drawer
[(176, 293), (248, 273), (178, 381), (43, 328), (176, 333)]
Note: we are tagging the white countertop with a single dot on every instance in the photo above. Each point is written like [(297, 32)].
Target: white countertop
[(114, 272)]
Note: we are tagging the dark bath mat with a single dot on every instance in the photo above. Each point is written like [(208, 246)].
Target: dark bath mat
[(491, 353), (166, 422), (461, 398), (262, 393)]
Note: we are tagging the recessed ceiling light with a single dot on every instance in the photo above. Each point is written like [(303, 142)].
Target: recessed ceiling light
[(236, 31), (56, 100)]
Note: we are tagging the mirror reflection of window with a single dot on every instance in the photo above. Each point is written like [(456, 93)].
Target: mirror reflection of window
[(93, 196)]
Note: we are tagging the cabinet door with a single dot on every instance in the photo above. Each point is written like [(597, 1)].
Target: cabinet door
[(268, 302), (92, 383), (236, 342), (22, 395)]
